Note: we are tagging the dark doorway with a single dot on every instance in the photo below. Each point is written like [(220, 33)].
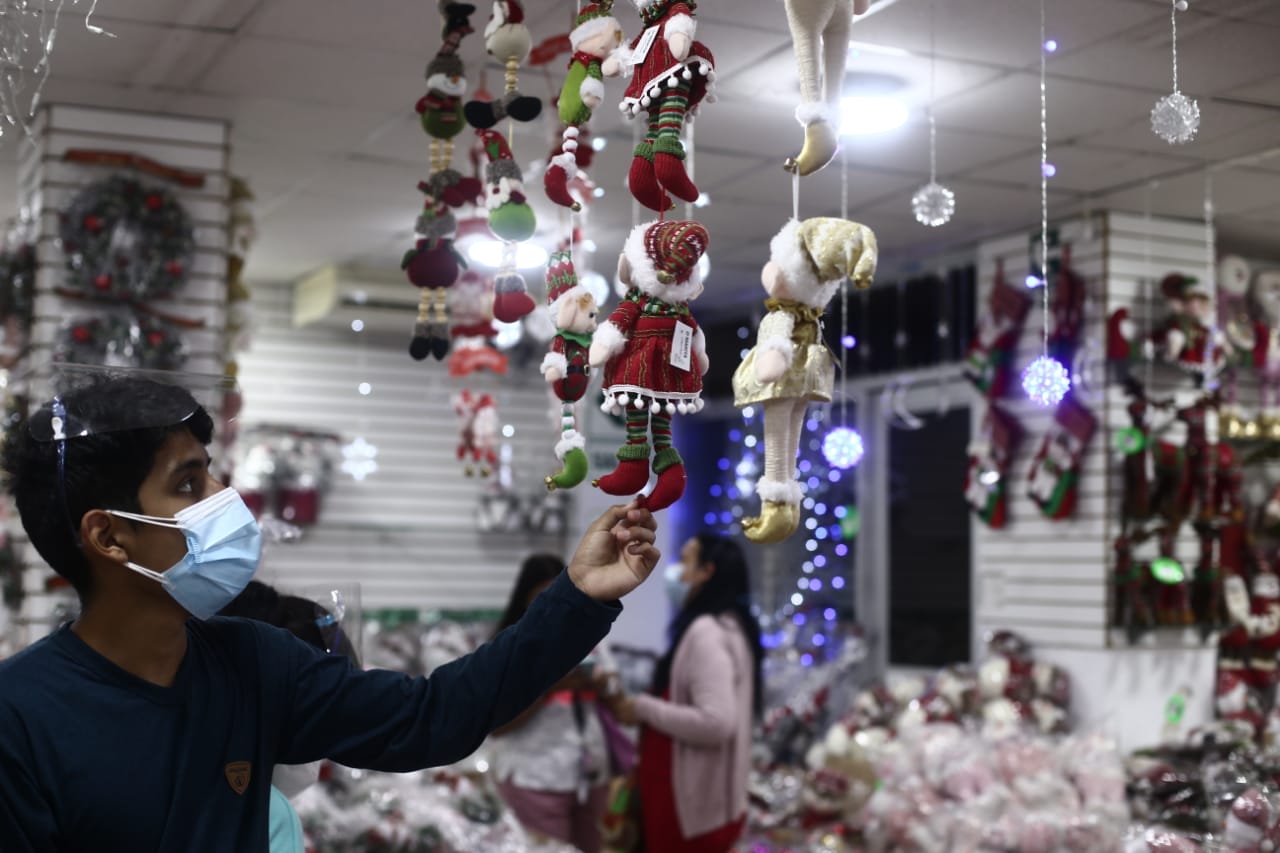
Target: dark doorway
[(930, 595)]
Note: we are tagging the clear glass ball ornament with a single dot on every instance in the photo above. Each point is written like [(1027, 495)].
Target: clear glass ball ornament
[(1175, 118), (1046, 381), (933, 204)]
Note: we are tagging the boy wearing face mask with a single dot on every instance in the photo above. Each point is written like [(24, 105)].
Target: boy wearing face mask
[(146, 725)]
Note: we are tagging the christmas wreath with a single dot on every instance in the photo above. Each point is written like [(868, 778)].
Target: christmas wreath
[(125, 241), (120, 341), (17, 284)]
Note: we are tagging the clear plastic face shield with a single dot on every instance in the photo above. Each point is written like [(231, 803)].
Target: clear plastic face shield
[(87, 400), (340, 621)]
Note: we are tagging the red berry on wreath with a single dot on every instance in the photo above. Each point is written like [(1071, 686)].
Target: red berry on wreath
[(155, 338), (102, 281), (81, 335), (154, 202), (93, 223), (173, 268)]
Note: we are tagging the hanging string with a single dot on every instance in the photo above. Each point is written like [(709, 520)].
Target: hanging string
[(1173, 23), (933, 91), (844, 185), (1044, 190), (1210, 251), (844, 354), (1148, 282), (795, 195)]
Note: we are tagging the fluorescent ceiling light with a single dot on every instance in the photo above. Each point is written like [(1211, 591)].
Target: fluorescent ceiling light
[(488, 253), (862, 115)]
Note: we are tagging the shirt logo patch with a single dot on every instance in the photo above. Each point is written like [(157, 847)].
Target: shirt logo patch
[(238, 773)]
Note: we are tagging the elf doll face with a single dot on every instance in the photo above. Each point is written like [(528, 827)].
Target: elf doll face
[(1199, 308), (577, 315), (602, 43), (775, 283)]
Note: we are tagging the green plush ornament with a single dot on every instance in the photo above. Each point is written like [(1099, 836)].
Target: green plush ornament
[(511, 219)]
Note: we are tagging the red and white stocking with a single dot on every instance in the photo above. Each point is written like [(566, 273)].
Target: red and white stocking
[(989, 364), (986, 482), (1055, 471)]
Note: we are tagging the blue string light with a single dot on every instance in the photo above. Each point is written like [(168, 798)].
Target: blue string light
[(1046, 381)]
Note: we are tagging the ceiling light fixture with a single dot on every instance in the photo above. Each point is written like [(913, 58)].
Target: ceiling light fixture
[(862, 115), (488, 253)]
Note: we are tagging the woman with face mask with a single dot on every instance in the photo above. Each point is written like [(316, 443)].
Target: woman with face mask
[(303, 619), (696, 722)]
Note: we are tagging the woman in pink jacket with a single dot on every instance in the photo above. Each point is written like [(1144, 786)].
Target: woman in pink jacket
[(695, 740)]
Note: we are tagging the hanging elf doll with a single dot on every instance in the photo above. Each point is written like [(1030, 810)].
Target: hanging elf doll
[(507, 39), (595, 35), (672, 74), (440, 110), (566, 366), (820, 25), (654, 355), (989, 363), (790, 365), (511, 220), (1055, 471), (986, 481)]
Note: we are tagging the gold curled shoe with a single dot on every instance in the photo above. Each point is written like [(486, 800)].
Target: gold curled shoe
[(1233, 425), (821, 144), (777, 521), (1269, 427)]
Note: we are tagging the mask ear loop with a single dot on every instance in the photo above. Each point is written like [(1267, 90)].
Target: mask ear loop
[(58, 422)]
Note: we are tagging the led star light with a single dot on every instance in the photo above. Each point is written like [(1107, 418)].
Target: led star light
[(1175, 118), (842, 447), (359, 458), (933, 205), (1046, 381)]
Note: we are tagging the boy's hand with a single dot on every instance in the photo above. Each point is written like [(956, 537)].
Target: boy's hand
[(616, 554)]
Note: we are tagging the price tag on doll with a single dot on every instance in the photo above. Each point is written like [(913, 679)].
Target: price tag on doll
[(681, 346), (644, 45)]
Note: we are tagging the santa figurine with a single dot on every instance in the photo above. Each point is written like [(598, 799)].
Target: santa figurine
[(1247, 828), (1186, 338), (1265, 296), (671, 75), (654, 355), (1234, 701), (1264, 628)]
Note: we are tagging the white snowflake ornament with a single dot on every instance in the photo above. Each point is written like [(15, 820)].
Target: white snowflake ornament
[(1175, 118), (933, 204)]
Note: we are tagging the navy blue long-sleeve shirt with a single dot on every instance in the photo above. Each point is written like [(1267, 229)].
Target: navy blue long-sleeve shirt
[(93, 758)]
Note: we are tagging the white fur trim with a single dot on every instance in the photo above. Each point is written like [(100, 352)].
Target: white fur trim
[(683, 24), (591, 28), (785, 251), (645, 278), (622, 55), (571, 132), (609, 337), (815, 112), (777, 492), (565, 161), (572, 293), (591, 87), (554, 360), (572, 440)]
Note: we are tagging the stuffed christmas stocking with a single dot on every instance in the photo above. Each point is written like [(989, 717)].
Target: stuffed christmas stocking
[(1055, 471), (986, 487), (820, 25), (990, 358)]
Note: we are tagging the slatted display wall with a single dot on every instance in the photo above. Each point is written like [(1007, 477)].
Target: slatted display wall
[(407, 534), (47, 183), (1050, 580)]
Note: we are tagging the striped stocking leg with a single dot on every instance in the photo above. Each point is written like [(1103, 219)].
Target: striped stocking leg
[(668, 150), (633, 458), (668, 464), (642, 180)]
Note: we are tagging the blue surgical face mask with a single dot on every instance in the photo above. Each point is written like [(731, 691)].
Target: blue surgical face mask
[(677, 589), (224, 545)]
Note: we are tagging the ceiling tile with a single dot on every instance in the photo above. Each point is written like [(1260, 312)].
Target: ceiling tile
[(1079, 169), (226, 14)]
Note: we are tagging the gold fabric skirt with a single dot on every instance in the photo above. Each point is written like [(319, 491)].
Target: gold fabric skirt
[(812, 377)]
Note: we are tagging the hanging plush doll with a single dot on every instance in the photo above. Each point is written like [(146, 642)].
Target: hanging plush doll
[(432, 265), (511, 220), (790, 365), (1122, 348), (986, 481), (654, 355), (472, 331), (989, 364), (1265, 296), (440, 110), (1185, 338), (820, 25), (595, 35), (507, 39), (566, 367), (671, 74), (1241, 332), (1133, 610), (477, 432), (1055, 470)]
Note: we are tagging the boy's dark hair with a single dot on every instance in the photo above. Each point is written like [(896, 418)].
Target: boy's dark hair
[(103, 470), (299, 616)]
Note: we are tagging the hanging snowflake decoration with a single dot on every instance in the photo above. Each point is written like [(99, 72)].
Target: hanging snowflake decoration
[(933, 205), (842, 448), (359, 458), (1046, 381), (1175, 118)]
